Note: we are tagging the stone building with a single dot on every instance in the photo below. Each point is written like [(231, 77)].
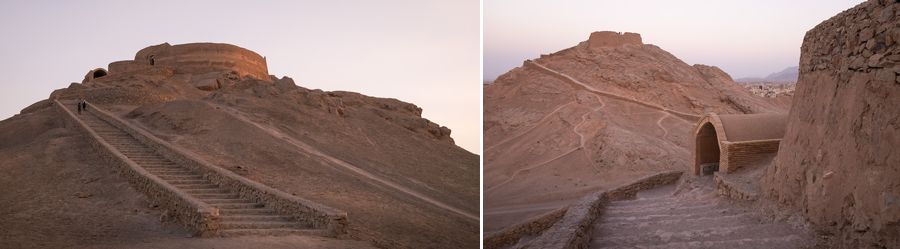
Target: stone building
[(729, 142), (208, 66)]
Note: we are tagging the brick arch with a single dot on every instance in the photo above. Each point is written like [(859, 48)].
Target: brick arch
[(95, 73), (709, 135)]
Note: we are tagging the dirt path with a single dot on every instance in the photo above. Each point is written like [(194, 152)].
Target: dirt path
[(659, 124), (582, 140), (312, 150), (513, 176), (682, 115), (530, 128)]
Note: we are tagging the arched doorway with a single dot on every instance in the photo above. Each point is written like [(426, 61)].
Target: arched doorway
[(707, 150), (99, 73)]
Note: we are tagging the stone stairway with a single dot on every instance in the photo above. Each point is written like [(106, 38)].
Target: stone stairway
[(238, 216), (696, 218)]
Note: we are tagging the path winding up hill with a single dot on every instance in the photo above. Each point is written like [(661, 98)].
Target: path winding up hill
[(596, 115)]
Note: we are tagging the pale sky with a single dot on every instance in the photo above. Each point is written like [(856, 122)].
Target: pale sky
[(423, 52), (744, 38)]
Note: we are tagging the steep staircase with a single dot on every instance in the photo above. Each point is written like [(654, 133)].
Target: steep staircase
[(238, 216), (695, 218)]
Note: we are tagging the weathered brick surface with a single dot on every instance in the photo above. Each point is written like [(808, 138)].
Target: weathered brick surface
[(739, 154)]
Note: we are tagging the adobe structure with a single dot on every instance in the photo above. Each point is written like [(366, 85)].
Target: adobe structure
[(612, 39), (206, 65), (729, 142)]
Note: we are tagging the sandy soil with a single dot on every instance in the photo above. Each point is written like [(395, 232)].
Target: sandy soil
[(57, 194)]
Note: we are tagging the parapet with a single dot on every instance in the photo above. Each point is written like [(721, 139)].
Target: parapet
[(202, 58), (613, 39)]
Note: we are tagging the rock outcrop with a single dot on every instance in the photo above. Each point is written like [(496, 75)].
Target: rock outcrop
[(839, 163)]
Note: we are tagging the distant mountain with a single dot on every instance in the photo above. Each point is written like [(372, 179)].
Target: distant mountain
[(789, 74)]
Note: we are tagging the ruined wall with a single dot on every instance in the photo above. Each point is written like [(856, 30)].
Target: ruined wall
[(127, 66), (612, 39), (199, 58), (839, 162), (740, 154)]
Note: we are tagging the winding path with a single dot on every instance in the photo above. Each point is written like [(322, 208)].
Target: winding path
[(579, 84), (687, 117), (530, 128), (530, 168)]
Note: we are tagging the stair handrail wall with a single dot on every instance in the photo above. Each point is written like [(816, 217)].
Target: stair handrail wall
[(574, 228), (320, 216), (194, 214)]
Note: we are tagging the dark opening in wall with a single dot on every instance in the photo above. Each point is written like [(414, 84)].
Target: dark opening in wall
[(707, 146), (99, 73), (152, 60)]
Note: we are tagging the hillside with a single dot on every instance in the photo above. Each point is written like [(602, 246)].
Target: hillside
[(400, 178), (602, 113)]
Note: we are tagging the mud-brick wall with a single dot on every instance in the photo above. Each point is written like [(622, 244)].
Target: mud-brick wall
[(740, 154), (198, 58), (839, 161)]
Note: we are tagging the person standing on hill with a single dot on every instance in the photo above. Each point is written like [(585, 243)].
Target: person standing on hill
[(79, 106)]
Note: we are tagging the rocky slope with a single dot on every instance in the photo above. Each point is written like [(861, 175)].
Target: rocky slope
[(599, 114), (402, 180), (838, 163)]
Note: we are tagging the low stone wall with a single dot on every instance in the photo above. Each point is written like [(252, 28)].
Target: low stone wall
[(196, 215), (332, 220), (729, 187), (736, 155), (119, 67), (511, 235), (574, 228)]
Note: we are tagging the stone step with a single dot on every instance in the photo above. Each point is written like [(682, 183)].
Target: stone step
[(196, 186), (692, 214), (225, 200), (272, 232), (789, 241), (144, 161), (244, 218), (207, 191), (658, 210), (710, 233), (138, 151), (205, 197), (671, 223), (247, 211), (664, 201), (258, 225), (180, 177), (181, 171), (201, 181), (238, 205), (161, 167)]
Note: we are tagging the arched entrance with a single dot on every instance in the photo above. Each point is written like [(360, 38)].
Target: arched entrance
[(99, 73), (707, 150)]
